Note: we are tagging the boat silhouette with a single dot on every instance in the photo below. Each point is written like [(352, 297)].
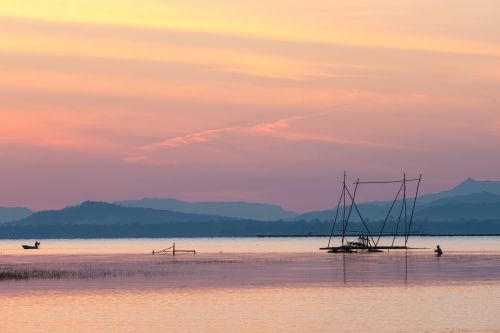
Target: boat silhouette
[(31, 247)]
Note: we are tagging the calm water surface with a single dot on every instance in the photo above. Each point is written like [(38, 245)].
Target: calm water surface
[(315, 309), (252, 285), (211, 245)]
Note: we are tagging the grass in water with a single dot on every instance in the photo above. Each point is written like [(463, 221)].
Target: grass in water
[(13, 274)]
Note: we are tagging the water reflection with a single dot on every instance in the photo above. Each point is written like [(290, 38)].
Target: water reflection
[(406, 267), (242, 270), (344, 268), (357, 267), (262, 309), (239, 289), (412, 268)]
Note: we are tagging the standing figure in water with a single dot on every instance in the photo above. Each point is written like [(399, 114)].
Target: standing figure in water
[(438, 251)]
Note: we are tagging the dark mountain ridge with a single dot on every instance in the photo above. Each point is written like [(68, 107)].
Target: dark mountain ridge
[(248, 210), (468, 186), (470, 213), (480, 202), (8, 214), (102, 213)]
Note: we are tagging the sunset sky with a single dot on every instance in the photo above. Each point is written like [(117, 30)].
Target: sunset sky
[(266, 101)]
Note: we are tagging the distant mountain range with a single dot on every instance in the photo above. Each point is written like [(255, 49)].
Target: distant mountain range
[(100, 220), (243, 210), (468, 186), (13, 213), (473, 207), (102, 213), (472, 199)]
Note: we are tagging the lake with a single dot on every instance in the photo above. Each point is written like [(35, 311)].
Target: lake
[(211, 245), (249, 284)]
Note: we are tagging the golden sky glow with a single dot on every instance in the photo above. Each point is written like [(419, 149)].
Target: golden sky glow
[(237, 100)]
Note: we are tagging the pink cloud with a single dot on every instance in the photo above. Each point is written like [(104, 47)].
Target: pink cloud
[(279, 129), (210, 135), (198, 137), (270, 127)]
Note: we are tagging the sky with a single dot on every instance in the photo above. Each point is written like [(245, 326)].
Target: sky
[(264, 101)]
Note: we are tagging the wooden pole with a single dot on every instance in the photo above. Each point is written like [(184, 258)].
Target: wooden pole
[(413, 208), (335, 220), (343, 214)]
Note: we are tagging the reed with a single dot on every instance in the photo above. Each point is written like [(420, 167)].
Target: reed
[(16, 274)]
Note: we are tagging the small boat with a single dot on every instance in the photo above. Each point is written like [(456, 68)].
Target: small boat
[(31, 247)]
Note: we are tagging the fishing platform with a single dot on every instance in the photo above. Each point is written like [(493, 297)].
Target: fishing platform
[(369, 240), (172, 250)]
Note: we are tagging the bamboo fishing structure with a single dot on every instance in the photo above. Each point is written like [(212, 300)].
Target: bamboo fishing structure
[(368, 240), (173, 251)]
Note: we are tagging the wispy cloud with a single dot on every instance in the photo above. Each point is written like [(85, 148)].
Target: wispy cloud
[(198, 137), (272, 127), (278, 129), (147, 160), (213, 134), (133, 159), (321, 138)]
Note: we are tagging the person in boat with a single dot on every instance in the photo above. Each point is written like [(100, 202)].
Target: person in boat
[(439, 251), (31, 247)]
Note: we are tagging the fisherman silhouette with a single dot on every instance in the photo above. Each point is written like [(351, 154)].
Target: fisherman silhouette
[(438, 251)]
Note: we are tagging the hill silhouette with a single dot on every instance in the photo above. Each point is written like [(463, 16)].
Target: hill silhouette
[(449, 213), (102, 220), (448, 205), (102, 213), (468, 186), (8, 214), (245, 210)]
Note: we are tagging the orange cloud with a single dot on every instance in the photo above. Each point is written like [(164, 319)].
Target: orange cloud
[(372, 24)]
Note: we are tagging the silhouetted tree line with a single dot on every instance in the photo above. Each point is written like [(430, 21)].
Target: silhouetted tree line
[(235, 228)]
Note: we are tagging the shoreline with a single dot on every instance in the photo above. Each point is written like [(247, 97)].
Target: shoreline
[(245, 236)]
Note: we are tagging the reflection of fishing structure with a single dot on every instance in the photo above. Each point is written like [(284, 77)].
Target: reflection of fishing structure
[(367, 240), (388, 268), (173, 250)]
